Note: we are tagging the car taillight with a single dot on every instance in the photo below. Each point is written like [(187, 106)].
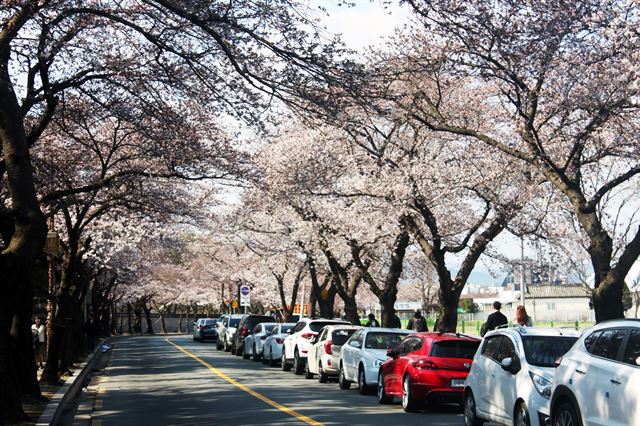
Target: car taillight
[(244, 331), (263, 337), (327, 347), (279, 341), (424, 364), (307, 335)]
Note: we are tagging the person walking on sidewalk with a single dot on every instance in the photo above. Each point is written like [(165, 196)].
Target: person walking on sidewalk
[(418, 322)]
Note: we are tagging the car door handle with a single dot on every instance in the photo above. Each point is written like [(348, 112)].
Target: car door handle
[(615, 382), (580, 371)]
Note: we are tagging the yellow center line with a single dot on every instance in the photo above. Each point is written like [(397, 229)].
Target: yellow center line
[(248, 390)]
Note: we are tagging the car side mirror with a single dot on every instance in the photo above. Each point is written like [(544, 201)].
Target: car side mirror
[(391, 352), (355, 344), (508, 364), (289, 331), (638, 360)]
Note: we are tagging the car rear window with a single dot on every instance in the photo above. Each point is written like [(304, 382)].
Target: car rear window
[(268, 328), (209, 322), (454, 349), (233, 322), (317, 326), (543, 351), (381, 340), (252, 321), (339, 337)]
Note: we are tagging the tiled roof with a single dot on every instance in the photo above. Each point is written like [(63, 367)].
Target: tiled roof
[(557, 291)]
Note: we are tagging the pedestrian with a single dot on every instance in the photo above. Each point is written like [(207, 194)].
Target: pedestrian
[(373, 322), (417, 322), (494, 320), (91, 330), (522, 318), (38, 337), (395, 320)]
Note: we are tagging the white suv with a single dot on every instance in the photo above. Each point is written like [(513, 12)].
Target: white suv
[(598, 380), (296, 345), (511, 375)]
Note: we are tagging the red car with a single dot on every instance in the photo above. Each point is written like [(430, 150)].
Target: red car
[(427, 367)]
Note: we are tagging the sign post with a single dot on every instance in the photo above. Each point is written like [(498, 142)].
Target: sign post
[(245, 296)]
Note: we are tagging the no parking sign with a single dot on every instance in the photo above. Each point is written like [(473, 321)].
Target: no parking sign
[(245, 295)]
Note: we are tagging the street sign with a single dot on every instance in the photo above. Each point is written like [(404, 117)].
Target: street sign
[(234, 304), (245, 295)]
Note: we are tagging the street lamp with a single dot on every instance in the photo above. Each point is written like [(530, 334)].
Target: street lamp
[(51, 248)]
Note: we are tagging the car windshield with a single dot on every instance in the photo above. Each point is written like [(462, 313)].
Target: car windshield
[(339, 337), (210, 322), (285, 328), (317, 326), (233, 322), (377, 340), (543, 351), (454, 349)]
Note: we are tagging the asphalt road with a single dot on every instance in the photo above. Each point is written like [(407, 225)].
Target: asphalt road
[(150, 381)]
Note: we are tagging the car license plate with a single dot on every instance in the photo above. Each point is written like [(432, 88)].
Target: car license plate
[(457, 383)]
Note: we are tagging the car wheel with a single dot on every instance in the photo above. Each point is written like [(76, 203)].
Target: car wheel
[(363, 388), (521, 417), (322, 376), (245, 355), (227, 348), (298, 364), (307, 374), (272, 362), (342, 381), (566, 415), (469, 408), (409, 404), (383, 398), (284, 366), (218, 344), (256, 356), (238, 349)]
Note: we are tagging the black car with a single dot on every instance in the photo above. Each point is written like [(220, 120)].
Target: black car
[(246, 326)]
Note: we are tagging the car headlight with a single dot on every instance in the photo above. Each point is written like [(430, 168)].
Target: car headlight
[(378, 362), (543, 386)]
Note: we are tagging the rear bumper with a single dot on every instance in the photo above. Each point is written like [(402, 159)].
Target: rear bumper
[(436, 386)]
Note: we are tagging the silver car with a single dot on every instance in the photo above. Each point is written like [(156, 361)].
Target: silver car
[(254, 342), (364, 353), (272, 348)]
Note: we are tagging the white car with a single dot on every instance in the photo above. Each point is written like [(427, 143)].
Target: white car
[(511, 375), (253, 342), (296, 346), (598, 380), (227, 330), (272, 347), (364, 353), (323, 357)]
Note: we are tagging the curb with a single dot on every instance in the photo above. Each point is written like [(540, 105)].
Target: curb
[(69, 390)]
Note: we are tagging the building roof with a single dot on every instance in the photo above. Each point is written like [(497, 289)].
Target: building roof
[(557, 291)]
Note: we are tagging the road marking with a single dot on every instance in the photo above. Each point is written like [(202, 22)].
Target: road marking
[(248, 390), (97, 406)]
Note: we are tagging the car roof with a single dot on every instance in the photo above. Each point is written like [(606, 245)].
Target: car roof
[(387, 330), (535, 331), (434, 335), (622, 322)]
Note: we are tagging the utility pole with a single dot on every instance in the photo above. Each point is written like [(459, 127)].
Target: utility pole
[(522, 281)]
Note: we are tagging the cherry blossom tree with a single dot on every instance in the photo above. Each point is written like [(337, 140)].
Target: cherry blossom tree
[(554, 86)]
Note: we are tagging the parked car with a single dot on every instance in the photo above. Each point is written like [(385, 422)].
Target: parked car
[(205, 328), (364, 353), (255, 340), (323, 357), (245, 328), (511, 375), (296, 346), (427, 367), (272, 347), (598, 380), (227, 331)]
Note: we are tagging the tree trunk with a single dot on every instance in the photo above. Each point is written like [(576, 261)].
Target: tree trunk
[(180, 324), (137, 323), (326, 305), (351, 310), (129, 320), (387, 303), (163, 326), (449, 297), (147, 316)]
